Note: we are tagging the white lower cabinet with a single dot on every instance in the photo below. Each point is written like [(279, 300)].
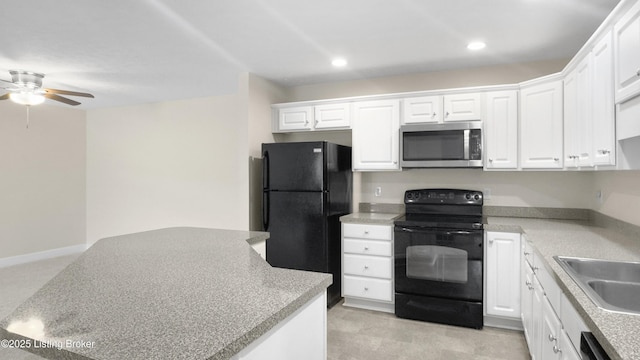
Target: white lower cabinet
[(367, 266), (502, 282), (551, 324)]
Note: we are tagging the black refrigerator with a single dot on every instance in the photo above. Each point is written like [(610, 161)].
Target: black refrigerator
[(307, 186)]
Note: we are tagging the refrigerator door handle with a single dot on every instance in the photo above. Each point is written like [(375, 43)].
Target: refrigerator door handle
[(265, 170), (265, 210)]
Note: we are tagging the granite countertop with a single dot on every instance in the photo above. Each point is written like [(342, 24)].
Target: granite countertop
[(176, 293), (374, 218), (616, 332)]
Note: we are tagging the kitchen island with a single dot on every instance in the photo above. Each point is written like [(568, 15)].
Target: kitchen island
[(176, 293)]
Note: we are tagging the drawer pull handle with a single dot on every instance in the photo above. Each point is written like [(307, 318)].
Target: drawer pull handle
[(556, 349), (366, 232), (552, 338), (366, 248), (526, 253), (366, 267), (366, 289)]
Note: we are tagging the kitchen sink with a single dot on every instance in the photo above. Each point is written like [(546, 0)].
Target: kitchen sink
[(611, 285)]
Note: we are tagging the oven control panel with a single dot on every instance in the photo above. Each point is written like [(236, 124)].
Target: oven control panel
[(443, 196)]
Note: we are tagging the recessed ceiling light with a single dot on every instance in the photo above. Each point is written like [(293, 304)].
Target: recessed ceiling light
[(476, 45), (339, 62)]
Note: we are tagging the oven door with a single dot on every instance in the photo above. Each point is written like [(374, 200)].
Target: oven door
[(444, 263)]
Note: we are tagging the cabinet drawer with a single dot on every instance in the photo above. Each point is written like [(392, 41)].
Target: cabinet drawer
[(372, 266), (367, 247), (362, 231), (374, 289)]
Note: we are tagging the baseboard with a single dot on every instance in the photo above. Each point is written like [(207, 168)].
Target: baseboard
[(41, 255)]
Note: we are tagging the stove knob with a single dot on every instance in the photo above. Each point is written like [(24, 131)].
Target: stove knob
[(477, 197), (467, 196), (417, 196), (410, 196)]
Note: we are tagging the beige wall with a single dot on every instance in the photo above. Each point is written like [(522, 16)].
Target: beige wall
[(258, 95), (179, 163), (481, 76), (620, 194), (42, 181)]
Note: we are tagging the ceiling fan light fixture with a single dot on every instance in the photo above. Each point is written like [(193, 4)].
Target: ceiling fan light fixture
[(26, 98)]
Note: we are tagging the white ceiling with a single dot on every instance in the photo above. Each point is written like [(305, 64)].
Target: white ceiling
[(130, 52)]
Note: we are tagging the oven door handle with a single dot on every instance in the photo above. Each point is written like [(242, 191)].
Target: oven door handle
[(407, 229), (458, 232)]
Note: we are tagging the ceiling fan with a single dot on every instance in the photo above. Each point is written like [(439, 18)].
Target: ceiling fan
[(25, 88)]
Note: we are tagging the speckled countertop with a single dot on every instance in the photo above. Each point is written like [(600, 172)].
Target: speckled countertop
[(370, 218), (617, 333), (177, 293)]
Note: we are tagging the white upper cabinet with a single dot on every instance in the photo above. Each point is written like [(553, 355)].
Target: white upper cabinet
[(421, 110), (578, 124), (603, 108), (541, 126), (501, 130), (319, 117), (627, 55), (375, 135), (332, 116), (463, 107), (295, 118)]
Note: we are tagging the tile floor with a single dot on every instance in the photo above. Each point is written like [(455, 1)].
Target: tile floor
[(353, 334)]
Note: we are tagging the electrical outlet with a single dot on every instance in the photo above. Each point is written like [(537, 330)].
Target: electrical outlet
[(487, 194), (377, 191)]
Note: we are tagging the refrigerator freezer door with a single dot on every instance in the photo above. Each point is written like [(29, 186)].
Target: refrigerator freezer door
[(298, 231), (294, 166)]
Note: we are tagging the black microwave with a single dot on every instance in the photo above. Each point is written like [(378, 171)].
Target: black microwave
[(456, 145)]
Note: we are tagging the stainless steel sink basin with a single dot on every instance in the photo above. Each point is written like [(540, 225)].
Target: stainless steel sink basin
[(611, 285)]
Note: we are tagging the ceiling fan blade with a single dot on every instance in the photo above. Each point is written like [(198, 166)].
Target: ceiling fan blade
[(67, 92), (4, 97), (61, 99)]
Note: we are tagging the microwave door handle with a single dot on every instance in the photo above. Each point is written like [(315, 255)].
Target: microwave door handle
[(466, 144)]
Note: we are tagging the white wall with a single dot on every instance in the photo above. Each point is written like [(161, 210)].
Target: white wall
[(180, 163), (42, 181)]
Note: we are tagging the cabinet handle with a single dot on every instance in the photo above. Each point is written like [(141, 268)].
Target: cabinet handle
[(556, 349), (490, 160), (366, 248), (552, 338), (306, 123), (490, 241), (604, 151), (366, 267), (446, 114), (638, 72), (366, 289), (434, 114), (535, 269), (556, 159), (526, 253), (528, 283), (366, 232), (395, 162)]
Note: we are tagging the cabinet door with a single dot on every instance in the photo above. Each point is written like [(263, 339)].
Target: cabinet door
[(551, 329), (295, 118), (571, 133), (332, 116), (541, 126), (463, 107), (604, 136), (565, 349), (503, 277), (375, 134), (501, 130), (526, 306), (584, 112), (426, 109), (535, 346), (627, 53)]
